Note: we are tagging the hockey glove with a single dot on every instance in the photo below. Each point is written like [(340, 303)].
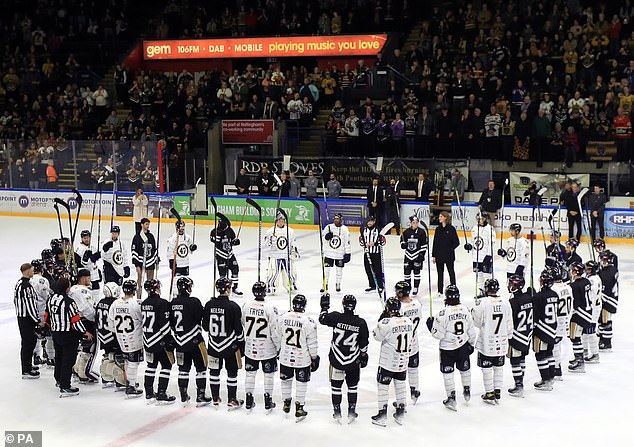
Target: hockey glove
[(430, 323), (295, 254), (193, 247), (126, 271), (235, 242), (468, 247), (107, 246), (346, 258), (324, 302), (382, 240), (95, 257), (403, 245), (328, 236), (87, 255), (169, 344), (314, 364), (502, 252), (363, 359), (519, 270)]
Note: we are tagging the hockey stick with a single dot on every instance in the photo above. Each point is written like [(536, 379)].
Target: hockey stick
[(61, 233), (244, 213), (79, 200), (70, 230), (258, 208), (552, 229), (506, 182), (585, 224), (178, 219), (540, 194), (158, 236), (477, 247), (215, 207), (369, 260), (464, 231), (195, 212), (279, 191), (94, 202), (114, 198), (321, 242), (385, 230), (323, 186), (288, 257), (431, 314)]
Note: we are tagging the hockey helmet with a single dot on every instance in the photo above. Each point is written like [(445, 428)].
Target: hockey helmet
[(485, 216), (402, 288), (180, 225), (452, 295), (46, 254), (56, 243), (223, 285), (556, 271), (129, 287), (115, 229), (515, 227), (49, 264), (84, 233), (111, 290), (152, 286), (572, 243), (546, 278), (299, 303), (515, 283), (259, 289), (393, 305), (38, 265), (60, 272), (577, 269), (599, 245), (555, 234), (607, 257), (184, 285), (491, 286), (349, 303), (592, 267)]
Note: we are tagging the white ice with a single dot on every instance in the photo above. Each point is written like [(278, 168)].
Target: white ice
[(584, 409)]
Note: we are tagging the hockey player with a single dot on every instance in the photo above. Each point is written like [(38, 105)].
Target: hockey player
[(610, 297), (545, 330), (186, 314), (570, 255), (517, 252), (411, 308), (414, 242), (89, 257), (599, 247), (581, 314), (144, 255), (158, 342), (492, 316), (348, 352), (44, 352), (126, 320), (522, 309), (395, 333), (116, 259), (589, 338), (555, 251), (482, 237), (222, 319), (564, 309), (259, 319), (225, 239), (179, 245), (82, 295), (336, 249), (110, 370), (372, 242), (298, 354), (277, 241), (454, 327)]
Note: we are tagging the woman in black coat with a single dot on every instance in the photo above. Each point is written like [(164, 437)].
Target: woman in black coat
[(443, 252)]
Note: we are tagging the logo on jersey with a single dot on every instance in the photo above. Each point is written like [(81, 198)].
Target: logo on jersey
[(412, 244), (182, 250), (117, 257), (335, 242), (511, 254), (23, 201), (478, 243), (281, 243)]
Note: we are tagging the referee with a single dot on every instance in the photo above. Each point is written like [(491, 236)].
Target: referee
[(66, 327), (25, 301)]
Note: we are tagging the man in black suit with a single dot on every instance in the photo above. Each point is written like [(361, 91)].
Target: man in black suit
[(423, 188), (376, 201), (265, 182), (491, 201)]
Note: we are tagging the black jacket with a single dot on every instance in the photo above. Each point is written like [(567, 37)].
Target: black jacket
[(596, 202), (243, 182), (380, 196), (445, 243), (490, 200), (426, 190), (570, 202)]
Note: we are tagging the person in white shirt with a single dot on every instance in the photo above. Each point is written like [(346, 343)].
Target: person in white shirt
[(139, 211), (81, 294), (277, 241), (294, 107), (336, 249), (89, 255), (482, 240), (517, 252), (43, 292)]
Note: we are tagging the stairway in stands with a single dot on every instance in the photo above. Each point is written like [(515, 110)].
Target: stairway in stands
[(67, 175)]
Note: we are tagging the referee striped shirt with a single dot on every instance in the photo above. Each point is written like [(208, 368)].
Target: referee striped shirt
[(25, 299), (371, 235), (62, 314)]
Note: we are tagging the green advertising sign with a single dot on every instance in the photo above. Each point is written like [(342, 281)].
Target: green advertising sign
[(298, 211)]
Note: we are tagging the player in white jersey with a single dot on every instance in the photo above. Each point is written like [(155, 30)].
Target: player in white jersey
[(589, 337), (492, 315), (277, 239), (411, 308), (517, 252), (482, 240), (395, 334), (116, 258), (81, 294), (89, 256), (564, 308), (179, 246), (299, 355), (126, 320), (336, 249), (259, 319), (454, 327), (43, 293)]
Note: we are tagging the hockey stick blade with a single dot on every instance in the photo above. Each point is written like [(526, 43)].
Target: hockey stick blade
[(277, 180), (283, 213), (254, 204), (62, 202), (174, 213), (386, 229), (79, 199), (314, 202)]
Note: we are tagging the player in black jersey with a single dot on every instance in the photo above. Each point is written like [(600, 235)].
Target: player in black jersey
[(610, 298), (581, 314), (186, 314), (599, 246), (348, 351), (225, 239), (109, 370), (520, 343), (555, 251), (222, 319), (570, 255), (414, 242), (157, 342), (545, 330)]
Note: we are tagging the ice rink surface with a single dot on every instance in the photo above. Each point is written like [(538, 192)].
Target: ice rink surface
[(585, 409)]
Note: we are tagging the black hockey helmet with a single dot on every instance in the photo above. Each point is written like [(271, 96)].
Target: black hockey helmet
[(546, 278), (115, 229), (515, 283), (184, 285), (349, 303), (402, 288), (84, 233), (393, 305), (259, 289), (485, 216), (152, 285), (572, 243), (452, 295), (56, 243), (592, 267), (59, 271), (38, 265), (299, 303), (577, 269), (556, 271), (515, 227), (599, 244), (491, 286), (555, 234), (223, 285), (223, 222), (49, 264), (179, 224), (607, 257), (46, 254), (129, 286)]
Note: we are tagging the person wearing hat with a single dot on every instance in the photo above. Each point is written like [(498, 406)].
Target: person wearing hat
[(89, 256), (277, 238), (372, 242), (81, 295), (116, 259), (376, 199), (596, 205), (336, 249)]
